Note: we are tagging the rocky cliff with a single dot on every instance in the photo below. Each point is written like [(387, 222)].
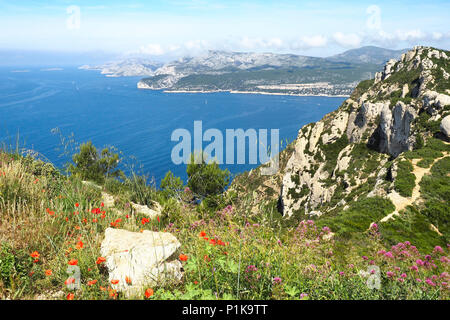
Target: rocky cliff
[(395, 121)]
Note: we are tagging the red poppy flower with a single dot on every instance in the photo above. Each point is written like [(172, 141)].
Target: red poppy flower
[(202, 234), (113, 293), (70, 296), (35, 254), (48, 272), (79, 245), (77, 204), (114, 281), (92, 282), (127, 280), (100, 260), (183, 257), (148, 293), (73, 262)]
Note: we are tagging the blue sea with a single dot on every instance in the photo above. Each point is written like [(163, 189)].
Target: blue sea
[(139, 123)]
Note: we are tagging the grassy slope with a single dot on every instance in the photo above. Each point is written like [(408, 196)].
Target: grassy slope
[(49, 213)]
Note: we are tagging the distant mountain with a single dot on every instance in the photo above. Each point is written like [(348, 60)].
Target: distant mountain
[(259, 72), (256, 72), (368, 54), (128, 67)]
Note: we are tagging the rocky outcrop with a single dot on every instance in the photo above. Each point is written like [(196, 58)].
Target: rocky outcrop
[(434, 101), (145, 259), (152, 213), (445, 126), (392, 136), (388, 69)]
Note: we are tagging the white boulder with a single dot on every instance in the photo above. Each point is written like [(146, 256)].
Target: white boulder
[(445, 126), (145, 210), (143, 257)]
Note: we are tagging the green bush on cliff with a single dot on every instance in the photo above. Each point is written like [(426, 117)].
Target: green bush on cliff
[(206, 179), (405, 181), (171, 186), (89, 164)]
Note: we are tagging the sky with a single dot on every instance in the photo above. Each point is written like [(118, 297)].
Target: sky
[(164, 29)]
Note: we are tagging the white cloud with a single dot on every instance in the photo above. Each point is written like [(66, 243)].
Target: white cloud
[(409, 35), (403, 36), (437, 35), (347, 40), (196, 45), (314, 41), (260, 43), (153, 49)]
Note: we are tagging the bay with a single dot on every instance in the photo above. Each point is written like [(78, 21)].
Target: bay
[(112, 111)]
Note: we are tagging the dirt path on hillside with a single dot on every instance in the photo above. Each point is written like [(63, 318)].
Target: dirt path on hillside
[(401, 202)]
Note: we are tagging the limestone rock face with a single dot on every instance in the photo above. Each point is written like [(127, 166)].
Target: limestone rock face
[(434, 101), (366, 116), (445, 126), (393, 133), (388, 69), (304, 173), (142, 257)]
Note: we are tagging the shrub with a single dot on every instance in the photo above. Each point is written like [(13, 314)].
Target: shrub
[(419, 142), (142, 190), (405, 181), (413, 226), (359, 216), (425, 163), (14, 267), (435, 188), (206, 179), (331, 152), (93, 165), (171, 186)]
